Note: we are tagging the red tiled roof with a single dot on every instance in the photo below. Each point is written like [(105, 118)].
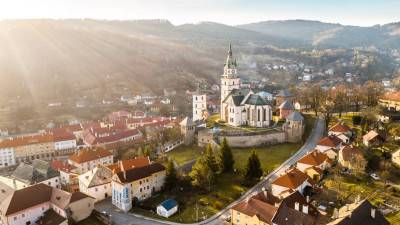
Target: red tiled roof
[(392, 96), (26, 140), (62, 166), (255, 207), (350, 153), (340, 127), (86, 155), (130, 163), (292, 179), (331, 141), (314, 158), (90, 137)]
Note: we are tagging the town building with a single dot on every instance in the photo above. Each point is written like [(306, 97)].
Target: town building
[(391, 104), (68, 174), (372, 138), (285, 109), (96, 182), (87, 159), (291, 181), (136, 184), (35, 204), (342, 131), (38, 171), (329, 145), (188, 128), (282, 96), (265, 209), (199, 106), (241, 106), (294, 127), (352, 158), (313, 164)]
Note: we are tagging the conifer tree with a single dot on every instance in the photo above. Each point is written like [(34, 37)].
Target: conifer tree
[(171, 178), (226, 160), (253, 168)]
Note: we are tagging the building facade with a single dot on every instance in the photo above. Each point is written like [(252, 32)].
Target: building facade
[(199, 106)]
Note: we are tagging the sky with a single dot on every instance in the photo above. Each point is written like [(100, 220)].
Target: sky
[(231, 12)]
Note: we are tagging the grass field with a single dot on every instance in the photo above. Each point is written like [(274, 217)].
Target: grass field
[(226, 188)]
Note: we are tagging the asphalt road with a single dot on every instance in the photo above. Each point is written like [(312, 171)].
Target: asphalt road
[(121, 218)]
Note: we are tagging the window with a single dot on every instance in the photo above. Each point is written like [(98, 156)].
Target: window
[(23, 215), (15, 218)]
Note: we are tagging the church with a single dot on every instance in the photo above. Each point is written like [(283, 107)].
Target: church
[(241, 106)]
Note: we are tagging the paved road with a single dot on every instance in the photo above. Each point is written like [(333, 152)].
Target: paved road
[(121, 218)]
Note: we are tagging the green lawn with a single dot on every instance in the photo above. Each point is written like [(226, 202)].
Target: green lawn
[(184, 154), (224, 190)]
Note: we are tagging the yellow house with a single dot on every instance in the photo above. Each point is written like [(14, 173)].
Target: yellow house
[(314, 172)]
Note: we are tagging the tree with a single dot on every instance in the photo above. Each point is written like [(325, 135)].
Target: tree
[(226, 160), (209, 158), (202, 175), (171, 178), (253, 168)]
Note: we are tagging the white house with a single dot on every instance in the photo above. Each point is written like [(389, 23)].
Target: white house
[(291, 181), (167, 208), (136, 184), (40, 202), (330, 146), (63, 141), (96, 183), (87, 159), (314, 158), (7, 157), (68, 173)]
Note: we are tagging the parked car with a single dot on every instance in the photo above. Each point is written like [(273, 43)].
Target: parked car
[(374, 176)]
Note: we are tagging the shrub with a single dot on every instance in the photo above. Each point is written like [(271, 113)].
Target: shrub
[(356, 120)]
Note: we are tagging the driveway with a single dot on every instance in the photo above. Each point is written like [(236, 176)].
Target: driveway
[(121, 218)]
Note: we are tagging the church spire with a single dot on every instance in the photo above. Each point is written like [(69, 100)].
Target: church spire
[(230, 62)]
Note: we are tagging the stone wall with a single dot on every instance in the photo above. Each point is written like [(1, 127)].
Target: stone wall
[(244, 141)]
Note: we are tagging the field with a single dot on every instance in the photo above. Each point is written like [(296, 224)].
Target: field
[(225, 190)]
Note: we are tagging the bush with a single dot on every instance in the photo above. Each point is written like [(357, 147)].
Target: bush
[(218, 205)]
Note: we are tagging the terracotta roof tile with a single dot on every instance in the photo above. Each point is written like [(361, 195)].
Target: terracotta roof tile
[(314, 158), (85, 155), (340, 127), (256, 207), (292, 179), (331, 141)]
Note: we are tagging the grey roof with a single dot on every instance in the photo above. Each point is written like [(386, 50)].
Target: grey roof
[(295, 116), (284, 93), (97, 176), (237, 99), (286, 105), (187, 122), (238, 92), (363, 213), (34, 173), (256, 100)]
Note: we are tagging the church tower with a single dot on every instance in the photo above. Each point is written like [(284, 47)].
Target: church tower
[(229, 80)]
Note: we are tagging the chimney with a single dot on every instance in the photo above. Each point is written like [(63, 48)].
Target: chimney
[(247, 199), (308, 199), (297, 206), (373, 212), (305, 209), (265, 192)]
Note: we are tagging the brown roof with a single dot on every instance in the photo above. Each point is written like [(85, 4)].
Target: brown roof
[(314, 158), (50, 217), (288, 215), (340, 127), (330, 141), (62, 166), (351, 153), (139, 173), (292, 179), (130, 163), (257, 207), (90, 154), (26, 198), (26, 140), (392, 96)]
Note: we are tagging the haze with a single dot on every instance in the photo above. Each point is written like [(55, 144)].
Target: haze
[(231, 12)]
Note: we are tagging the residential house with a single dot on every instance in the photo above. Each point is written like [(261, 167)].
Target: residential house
[(362, 212), (373, 138), (282, 96), (167, 208), (31, 204), (136, 184), (25, 175), (352, 158), (87, 159), (7, 155), (68, 174), (291, 181), (96, 182), (329, 145), (391, 104), (313, 164), (264, 208), (341, 131), (285, 109)]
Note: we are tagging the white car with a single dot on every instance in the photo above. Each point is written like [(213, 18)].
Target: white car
[(374, 176)]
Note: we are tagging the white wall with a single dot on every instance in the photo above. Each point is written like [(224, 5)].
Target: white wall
[(7, 157), (61, 145), (31, 214)]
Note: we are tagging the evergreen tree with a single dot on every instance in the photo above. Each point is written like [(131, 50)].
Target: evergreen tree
[(209, 158), (226, 160), (171, 178), (202, 175), (253, 167)]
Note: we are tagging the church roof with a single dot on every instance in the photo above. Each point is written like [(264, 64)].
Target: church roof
[(186, 122), (255, 99), (238, 94), (237, 99), (230, 62)]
